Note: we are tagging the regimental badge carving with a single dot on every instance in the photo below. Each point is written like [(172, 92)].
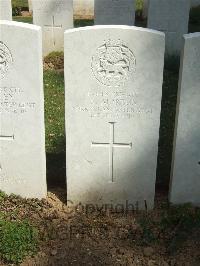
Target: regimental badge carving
[(5, 59), (113, 63)]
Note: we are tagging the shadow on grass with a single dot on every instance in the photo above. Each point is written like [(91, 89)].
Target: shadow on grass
[(83, 23), (23, 19), (167, 122), (56, 169), (194, 25)]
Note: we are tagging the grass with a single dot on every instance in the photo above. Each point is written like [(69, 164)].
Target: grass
[(23, 19), (20, 3), (2, 196), (55, 127), (83, 23), (18, 239), (139, 5), (54, 111)]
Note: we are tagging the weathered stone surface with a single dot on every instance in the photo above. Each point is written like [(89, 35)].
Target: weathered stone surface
[(54, 16), (22, 139), (83, 9), (114, 12), (185, 178), (5, 10), (171, 17), (113, 78)]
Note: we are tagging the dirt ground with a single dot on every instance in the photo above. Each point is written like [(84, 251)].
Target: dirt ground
[(77, 237)]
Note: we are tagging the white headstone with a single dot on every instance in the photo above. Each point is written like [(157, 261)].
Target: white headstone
[(22, 139), (114, 12), (172, 18), (185, 178), (54, 16), (113, 96), (5, 10)]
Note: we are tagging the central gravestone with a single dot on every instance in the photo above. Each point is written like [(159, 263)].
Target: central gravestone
[(22, 138), (5, 10), (54, 16), (113, 98), (114, 12), (172, 18)]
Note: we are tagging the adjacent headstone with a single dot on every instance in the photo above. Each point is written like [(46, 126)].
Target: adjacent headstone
[(83, 9), (185, 178), (5, 10), (145, 8), (114, 12), (113, 98), (195, 3), (172, 18), (30, 6), (22, 139), (54, 16)]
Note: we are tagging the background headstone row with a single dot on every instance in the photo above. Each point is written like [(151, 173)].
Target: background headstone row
[(55, 16)]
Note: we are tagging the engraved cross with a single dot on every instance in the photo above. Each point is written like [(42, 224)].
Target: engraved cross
[(5, 138), (53, 26), (111, 145)]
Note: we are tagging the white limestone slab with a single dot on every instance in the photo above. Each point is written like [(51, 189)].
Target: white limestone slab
[(54, 16), (113, 79), (114, 12), (171, 17), (22, 140), (185, 177), (5, 10)]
